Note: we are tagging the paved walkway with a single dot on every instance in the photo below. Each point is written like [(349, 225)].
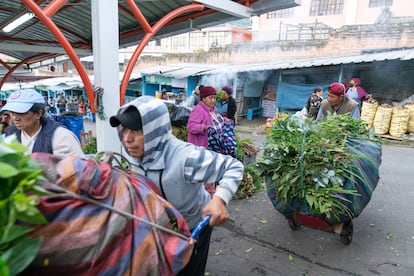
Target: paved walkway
[(244, 125)]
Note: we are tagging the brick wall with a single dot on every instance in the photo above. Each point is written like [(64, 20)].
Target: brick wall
[(348, 40)]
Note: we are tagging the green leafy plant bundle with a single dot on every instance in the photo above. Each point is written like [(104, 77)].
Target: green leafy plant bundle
[(90, 148), (252, 181), (19, 194), (310, 161), (219, 95)]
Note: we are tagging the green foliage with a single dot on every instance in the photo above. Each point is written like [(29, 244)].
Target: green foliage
[(252, 181), (180, 132), (250, 184), (219, 95), (90, 148), (19, 194), (310, 161)]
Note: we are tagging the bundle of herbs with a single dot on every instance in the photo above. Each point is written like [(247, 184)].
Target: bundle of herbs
[(309, 161), (19, 193)]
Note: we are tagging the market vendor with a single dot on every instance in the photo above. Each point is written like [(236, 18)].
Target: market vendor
[(36, 131), (338, 103)]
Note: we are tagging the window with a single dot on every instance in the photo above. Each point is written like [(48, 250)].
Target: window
[(326, 7), (281, 13), (198, 40), (380, 3)]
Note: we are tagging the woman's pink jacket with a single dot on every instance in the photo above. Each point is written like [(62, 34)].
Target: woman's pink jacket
[(199, 118)]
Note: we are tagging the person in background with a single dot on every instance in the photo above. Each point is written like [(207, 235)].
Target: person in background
[(227, 105), (356, 92), (194, 98), (36, 131), (5, 121), (179, 169), (164, 94), (81, 106), (314, 102), (51, 102), (61, 104), (203, 117), (338, 103)]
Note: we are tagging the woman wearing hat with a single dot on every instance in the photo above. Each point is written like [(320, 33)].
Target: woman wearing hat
[(227, 105), (203, 121), (338, 103), (356, 92), (202, 117)]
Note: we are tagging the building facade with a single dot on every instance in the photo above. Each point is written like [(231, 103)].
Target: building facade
[(315, 15)]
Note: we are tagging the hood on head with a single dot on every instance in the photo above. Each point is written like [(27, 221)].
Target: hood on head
[(156, 127), (356, 81)]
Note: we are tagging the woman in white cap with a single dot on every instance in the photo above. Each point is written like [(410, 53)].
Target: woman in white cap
[(34, 130)]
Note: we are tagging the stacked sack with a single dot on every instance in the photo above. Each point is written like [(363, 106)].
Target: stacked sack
[(395, 120), (411, 118), (399, 121), (382, 119), (368, 111)]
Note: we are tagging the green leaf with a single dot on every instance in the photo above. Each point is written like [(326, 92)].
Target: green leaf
[(4, 270), (8, 234), (248, 250), (290, 257), (7, 171), (389, 236), (21, 254), (33, 218)]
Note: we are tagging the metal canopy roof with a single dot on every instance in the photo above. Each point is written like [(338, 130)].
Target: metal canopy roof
[(33, 42), (180, 71), (407, 54)]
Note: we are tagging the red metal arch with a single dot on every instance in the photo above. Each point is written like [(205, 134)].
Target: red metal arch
[(11, 69), (150, 32), (45, 16)]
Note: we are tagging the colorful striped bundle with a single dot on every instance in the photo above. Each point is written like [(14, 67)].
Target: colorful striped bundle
[(83, 238)]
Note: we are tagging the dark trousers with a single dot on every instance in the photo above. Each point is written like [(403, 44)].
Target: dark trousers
[(198, 260)]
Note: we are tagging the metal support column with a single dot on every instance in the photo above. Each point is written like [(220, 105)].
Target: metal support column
[(105, 39)]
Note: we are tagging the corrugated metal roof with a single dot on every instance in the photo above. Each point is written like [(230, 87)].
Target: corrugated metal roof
[(180, 71), (33, 39), (406, 54)]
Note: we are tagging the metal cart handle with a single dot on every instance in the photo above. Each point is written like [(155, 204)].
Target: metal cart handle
[(200, 226)]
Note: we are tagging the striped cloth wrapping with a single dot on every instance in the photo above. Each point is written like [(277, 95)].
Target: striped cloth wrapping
[(225, 142), (86, 239), (364, 180)]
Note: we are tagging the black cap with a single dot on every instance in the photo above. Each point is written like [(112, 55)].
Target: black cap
[(130, 119)]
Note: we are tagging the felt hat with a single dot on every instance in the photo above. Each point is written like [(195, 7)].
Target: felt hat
[(207, 91), (228, 89)]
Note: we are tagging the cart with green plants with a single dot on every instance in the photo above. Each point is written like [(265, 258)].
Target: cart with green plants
[(321, 174)]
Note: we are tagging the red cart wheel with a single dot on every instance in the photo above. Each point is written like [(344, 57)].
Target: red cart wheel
[(293, 225), (347, 232)]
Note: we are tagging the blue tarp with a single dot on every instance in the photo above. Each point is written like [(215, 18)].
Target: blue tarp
[(294, 96), (73, 122)]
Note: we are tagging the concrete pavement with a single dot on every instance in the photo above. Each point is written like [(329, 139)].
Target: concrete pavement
[(258, 241)]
